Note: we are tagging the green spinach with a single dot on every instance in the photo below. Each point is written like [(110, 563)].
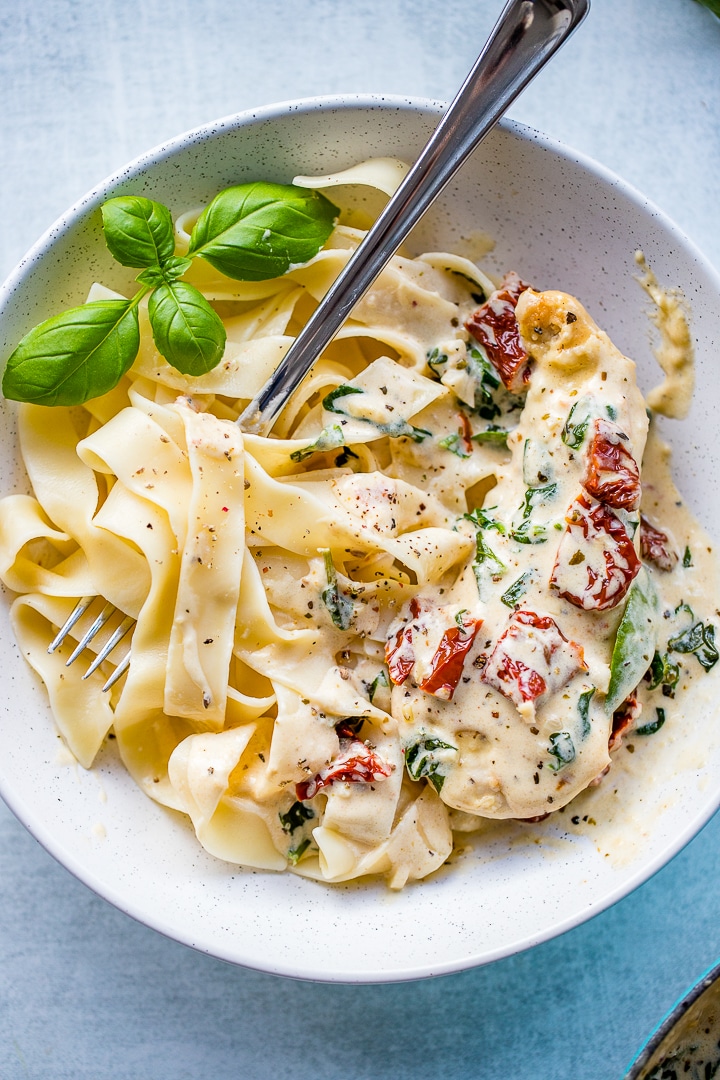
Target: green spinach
[(635, 641), (340, 607), (426, 758), (562, 748), (654, 725)]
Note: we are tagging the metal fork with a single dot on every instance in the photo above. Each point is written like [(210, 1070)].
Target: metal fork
[(525, 37)]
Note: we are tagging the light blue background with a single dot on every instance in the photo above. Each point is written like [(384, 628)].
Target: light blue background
[(84, 991)]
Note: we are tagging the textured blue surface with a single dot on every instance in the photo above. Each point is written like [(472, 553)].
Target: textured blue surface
[(84, 991)]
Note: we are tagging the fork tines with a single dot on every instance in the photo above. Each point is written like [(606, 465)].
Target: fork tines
[(117, 635)]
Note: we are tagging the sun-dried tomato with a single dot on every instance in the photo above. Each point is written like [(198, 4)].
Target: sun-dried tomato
[(399, 653), (612, 475), (530, 685), (655, 546), (540, 622), (358, 765), (548, 659), (465, 432), (495, 327), (447, 663), (624, 718), (596, 560)]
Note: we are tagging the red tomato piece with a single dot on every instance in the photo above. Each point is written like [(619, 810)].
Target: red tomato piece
[(465, 431), (399, 653), (447, 663), (531, 657), (495, 327), (525, 682), (357, 765), (655, 546), (612, 475), (596, 560), (624, 718)]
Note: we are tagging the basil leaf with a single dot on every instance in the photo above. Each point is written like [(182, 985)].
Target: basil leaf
[(80, 354), (654, 725), (584, 711), (252, 232), (687, 558), (187, 331), (562, 749), (421, 759), (138, 232), (635, 641), (296, 816), (173, 269)]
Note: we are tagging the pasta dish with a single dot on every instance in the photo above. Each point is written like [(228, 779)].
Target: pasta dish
[(445, 588)]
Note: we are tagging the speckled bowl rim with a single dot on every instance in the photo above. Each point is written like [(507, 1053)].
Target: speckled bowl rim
[(671, 1020), (339, 102)]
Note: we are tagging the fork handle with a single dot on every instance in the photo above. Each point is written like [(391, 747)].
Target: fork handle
[(526, 35)]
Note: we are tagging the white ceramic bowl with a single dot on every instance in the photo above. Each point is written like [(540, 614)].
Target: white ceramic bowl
[(561, 221)]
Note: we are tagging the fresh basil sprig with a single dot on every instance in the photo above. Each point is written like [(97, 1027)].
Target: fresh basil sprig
[(249, 232)]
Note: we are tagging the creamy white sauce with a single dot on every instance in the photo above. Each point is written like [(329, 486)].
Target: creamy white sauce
[(674, 353)]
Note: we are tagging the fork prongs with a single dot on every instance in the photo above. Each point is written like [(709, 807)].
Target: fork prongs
[(118, 634)]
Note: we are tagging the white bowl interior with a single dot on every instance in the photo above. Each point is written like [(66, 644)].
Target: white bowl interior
[(561, 222)]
